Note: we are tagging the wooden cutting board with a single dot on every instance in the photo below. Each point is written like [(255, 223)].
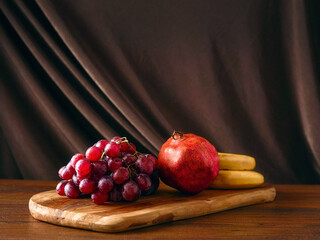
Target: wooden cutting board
[(167, 204)]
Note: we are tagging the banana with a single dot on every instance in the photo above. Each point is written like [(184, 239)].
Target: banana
[(229, 161), (237, 180)]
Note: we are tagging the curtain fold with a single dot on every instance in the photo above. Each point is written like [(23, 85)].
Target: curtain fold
[(243, 74)]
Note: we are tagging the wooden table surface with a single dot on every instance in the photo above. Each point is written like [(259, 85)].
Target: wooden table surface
[(295, 214)]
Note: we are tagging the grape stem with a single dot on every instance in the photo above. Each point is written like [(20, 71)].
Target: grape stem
[(121, 140), (102, 155), (125, 140)]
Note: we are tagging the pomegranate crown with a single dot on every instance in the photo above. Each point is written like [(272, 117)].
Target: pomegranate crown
[(177, 135)]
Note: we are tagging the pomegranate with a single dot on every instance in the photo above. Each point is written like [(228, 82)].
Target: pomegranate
[(188, 162)]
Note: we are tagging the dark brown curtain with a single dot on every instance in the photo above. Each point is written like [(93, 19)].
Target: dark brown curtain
[(242, 73)]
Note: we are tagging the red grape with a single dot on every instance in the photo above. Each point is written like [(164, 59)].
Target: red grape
[(93, 153), (87, 186), (99, 168), (143, 181), (75, 158), (115, 139), (121, 175), (67, 172), (105, 184), (61, 170), (154, 184), (130, 191), (101, 144), (112, 149), (144, 165), (115, 195), (122, 154), (98, 197), (129, 159), (153, 159), (81, 177), (83, 167), (71, 190), (60, 187), (131, 148), (114, 164), (123, 145), (75, 180)]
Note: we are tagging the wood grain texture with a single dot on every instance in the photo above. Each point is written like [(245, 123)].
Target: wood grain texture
[(294, 214), (166, 205)]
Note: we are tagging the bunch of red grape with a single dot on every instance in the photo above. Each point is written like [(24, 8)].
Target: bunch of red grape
[(110, 171)]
